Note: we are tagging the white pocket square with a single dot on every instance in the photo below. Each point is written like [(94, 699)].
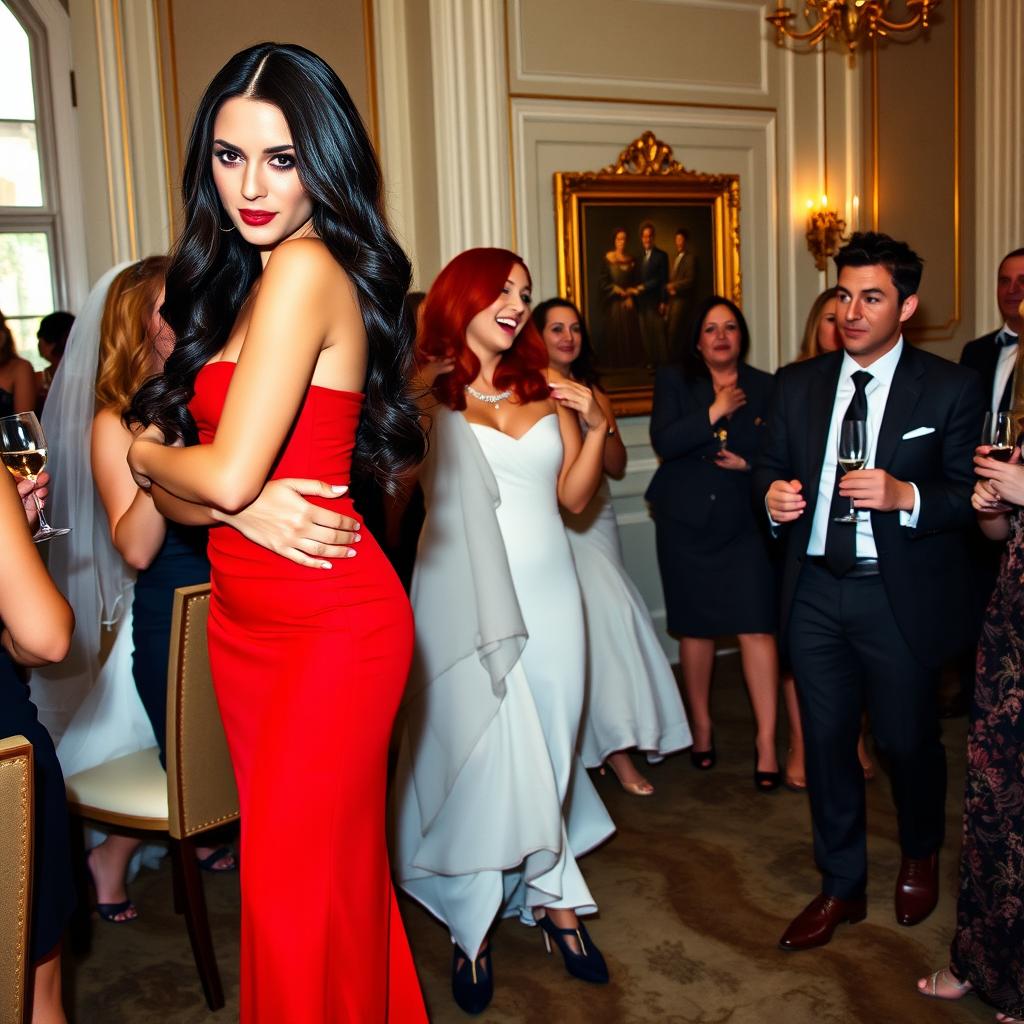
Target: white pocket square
[(917, 432)]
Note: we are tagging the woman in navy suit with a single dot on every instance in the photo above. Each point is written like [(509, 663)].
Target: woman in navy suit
[(707, 424)]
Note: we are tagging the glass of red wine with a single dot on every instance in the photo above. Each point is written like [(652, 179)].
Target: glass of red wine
[(1000, 434)]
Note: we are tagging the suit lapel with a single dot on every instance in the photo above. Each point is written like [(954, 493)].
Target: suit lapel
[(904, 392), (990, 352), (819, 406)]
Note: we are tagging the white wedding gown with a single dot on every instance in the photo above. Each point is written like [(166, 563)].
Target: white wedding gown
[(632, 696), (494, 805)]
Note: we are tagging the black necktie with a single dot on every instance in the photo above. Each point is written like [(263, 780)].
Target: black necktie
[(841, 538)]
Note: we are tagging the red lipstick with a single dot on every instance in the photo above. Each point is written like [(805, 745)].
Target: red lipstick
[(255, 218)]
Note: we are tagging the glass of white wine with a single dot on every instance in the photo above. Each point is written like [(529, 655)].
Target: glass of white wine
[(23, 450), (853, 454)]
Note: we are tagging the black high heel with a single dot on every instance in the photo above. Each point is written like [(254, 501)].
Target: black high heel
[(472, 983), (765, 782), (588, 964), (704, 760)]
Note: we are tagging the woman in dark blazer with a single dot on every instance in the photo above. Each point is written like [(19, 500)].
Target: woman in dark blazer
[(706, 427)]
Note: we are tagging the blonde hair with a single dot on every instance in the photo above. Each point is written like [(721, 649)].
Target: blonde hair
[(809, 346), (126, 350)]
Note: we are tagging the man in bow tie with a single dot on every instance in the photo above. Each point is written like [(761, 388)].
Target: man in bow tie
[(871, 609), (994, 356)]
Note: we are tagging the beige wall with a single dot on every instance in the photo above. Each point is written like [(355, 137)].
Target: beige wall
[(919, 148), (196, 37), (140, 68)]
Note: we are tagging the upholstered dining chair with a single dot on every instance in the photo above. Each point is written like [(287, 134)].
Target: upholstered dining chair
[(197, 793), (16, 813)]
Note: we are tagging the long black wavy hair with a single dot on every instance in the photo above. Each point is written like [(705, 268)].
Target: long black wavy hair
[(212, 270), (582, 367)]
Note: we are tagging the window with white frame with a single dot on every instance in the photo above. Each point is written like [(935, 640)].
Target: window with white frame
[(28, 214)]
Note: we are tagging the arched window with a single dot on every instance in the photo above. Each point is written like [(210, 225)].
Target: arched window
[(29, 264)]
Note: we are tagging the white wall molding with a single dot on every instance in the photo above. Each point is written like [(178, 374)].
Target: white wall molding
[(467, 39), (395, 115), (999, 145), (754, 87)]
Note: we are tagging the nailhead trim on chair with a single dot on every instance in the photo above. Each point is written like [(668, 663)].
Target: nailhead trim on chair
[(183, 795), (21, 763)]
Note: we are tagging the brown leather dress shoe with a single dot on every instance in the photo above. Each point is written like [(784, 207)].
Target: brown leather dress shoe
[(917, 888), (814, 925)]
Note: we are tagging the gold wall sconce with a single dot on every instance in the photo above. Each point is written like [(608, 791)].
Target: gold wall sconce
[(848, 21), (825, 231)]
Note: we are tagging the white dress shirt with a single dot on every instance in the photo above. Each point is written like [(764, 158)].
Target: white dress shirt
[(1004, 368), (877, 393)]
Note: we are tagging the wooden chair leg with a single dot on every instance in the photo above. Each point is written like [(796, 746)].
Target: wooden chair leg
[(184, 854), (80, 926), (177, 883)]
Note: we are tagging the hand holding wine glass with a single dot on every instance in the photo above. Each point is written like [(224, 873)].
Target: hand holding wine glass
[(1004, 480), (23, 450)]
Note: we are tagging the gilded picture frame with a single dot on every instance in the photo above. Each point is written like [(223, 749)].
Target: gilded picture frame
[(636, 302)]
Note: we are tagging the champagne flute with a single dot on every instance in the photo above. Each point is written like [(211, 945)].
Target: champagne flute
[(853, 454), (23, 451)]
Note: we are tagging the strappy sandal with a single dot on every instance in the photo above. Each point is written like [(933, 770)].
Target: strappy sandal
[(111, 912), (944, 976), (208, 863)]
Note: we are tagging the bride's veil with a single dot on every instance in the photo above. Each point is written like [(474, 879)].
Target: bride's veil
[(87, 569)]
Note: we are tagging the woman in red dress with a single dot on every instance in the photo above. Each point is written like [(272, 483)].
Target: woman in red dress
[(285, 294)]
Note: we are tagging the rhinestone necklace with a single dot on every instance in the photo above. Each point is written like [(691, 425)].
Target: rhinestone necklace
[(494, 400)]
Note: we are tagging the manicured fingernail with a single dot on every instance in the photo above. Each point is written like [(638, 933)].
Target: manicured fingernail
[(350, 554), (325, 565), (339, 488), (359, 536)]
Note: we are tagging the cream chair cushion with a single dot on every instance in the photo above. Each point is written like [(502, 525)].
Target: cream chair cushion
[(130, 791)]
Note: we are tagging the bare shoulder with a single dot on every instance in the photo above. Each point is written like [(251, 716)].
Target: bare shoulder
[(305, 262), (304, 282), (22, 369), (108, 430), (106, 421), (302, 256)]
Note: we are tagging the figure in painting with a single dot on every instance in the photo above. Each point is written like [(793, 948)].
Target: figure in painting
[(619, 284)]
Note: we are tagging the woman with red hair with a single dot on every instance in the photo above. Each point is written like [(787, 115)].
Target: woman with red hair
[(494, 805)]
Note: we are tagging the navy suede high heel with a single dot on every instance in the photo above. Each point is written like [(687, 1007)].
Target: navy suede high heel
[(472, 982), (588, 964)]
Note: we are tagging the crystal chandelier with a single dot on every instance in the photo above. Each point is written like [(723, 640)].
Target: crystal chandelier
[(848, 20)]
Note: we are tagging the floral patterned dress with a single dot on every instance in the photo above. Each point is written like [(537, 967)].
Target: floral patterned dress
[(988, 948)]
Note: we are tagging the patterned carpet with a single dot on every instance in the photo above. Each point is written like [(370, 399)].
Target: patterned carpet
[(694, 889)]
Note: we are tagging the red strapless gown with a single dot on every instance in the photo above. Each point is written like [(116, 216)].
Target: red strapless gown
[(309, 666)]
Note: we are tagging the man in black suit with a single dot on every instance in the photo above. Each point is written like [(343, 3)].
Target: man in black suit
[(871, 610), (678, 292), (651, 296), (994, 357)]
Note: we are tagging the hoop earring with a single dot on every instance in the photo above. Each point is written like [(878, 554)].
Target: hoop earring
[(226, 230)]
